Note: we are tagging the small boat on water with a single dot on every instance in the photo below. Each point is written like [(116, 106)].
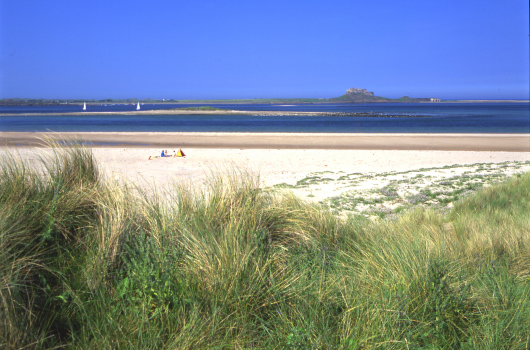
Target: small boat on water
[(84, 106), (138, 106)]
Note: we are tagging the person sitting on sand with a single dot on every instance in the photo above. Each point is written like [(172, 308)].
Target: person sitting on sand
[(149, 158), (162, 154)]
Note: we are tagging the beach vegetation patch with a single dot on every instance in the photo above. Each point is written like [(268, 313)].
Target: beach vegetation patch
[(442, 186)]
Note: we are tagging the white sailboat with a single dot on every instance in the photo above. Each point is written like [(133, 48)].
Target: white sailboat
[(84, 106), (138, 106)]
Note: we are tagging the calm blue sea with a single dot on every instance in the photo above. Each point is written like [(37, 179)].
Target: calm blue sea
[(384, 118)]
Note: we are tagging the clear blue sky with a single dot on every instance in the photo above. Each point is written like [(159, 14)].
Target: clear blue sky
[(263, 49)]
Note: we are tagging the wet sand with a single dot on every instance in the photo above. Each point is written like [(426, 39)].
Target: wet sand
[(330, 141)]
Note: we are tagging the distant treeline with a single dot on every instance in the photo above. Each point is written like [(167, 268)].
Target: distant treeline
[(42, 101)]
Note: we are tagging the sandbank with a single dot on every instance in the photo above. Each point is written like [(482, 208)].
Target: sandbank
[(213, 112)]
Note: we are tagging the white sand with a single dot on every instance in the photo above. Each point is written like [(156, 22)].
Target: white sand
[(280, 166), (365, 172), (275, 166)]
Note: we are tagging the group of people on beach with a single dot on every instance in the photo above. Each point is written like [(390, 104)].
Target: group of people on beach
[(164, 154)]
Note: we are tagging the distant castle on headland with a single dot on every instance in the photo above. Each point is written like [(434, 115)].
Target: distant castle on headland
[(354, 91)]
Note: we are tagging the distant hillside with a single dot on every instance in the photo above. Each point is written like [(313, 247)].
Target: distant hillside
[(354, 95), (358, 98)]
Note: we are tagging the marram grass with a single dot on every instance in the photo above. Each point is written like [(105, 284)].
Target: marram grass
[(87, 263)]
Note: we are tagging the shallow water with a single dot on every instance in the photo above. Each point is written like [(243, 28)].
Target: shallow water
[(413, 118)]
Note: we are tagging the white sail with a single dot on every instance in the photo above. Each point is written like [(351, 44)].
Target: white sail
[(84, 106), (138, 106)]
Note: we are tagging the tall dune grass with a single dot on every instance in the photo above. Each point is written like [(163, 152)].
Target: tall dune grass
[(87, 263)]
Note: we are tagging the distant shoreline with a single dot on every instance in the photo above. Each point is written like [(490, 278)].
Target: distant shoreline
[(249, 101), (486, 101)]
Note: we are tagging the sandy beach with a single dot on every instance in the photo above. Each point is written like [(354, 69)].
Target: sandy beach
[(281, 166), (276, 157)]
